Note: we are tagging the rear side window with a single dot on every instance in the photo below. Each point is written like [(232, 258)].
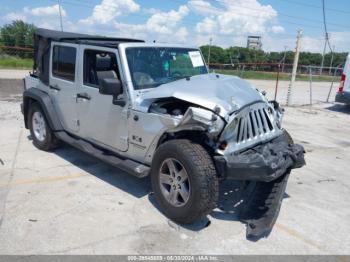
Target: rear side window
[(63, 62)]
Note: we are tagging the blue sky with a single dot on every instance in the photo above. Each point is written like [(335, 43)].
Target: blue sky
[(193, 22)]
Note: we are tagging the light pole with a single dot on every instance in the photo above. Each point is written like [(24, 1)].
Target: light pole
[(60, 11), (210, 41), (330, 67), (324, 52), (295, 67)]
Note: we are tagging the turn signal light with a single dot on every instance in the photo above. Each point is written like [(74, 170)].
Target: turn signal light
[(342, 82), (223, 145)]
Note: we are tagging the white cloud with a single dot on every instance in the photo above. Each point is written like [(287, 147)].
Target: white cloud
[(181, 34), (151, 11), (244, 16), (277, 29), (202, 7), (207, 26), (161, 26), (15, 16), (108, 10), (45, 11), (165, 22), (27, 13), (229, 22)]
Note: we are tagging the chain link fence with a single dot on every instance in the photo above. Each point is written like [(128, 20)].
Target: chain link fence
[(12, 57), (313, 83)]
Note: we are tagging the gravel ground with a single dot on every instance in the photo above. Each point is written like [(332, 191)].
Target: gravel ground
[(65, 202)]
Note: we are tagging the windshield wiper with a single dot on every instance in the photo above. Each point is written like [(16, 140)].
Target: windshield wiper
[(180, 77)]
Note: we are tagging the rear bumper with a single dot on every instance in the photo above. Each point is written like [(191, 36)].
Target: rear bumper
[(343, 97), (265, 162)]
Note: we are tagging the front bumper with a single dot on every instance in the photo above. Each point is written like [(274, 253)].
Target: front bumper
[(265, 162), (343, 97)]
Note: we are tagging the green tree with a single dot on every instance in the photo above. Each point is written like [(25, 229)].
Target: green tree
[(217, 54), (237, 55), (18, 34)]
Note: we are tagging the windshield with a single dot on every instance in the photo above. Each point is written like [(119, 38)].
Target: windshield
[(153, 66)]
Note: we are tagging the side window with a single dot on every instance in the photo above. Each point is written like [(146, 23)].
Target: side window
[(63, 62), (99, 65)]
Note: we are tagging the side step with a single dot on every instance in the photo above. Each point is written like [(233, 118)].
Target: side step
[(127, 165)]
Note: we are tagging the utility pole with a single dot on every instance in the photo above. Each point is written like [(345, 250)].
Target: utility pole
[(284, 58), (295, 67), (60, 11), (324, 52), (210, 42), (330, 67)]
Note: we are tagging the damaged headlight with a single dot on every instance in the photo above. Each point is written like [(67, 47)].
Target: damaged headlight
[(230, 129), (278, 112)]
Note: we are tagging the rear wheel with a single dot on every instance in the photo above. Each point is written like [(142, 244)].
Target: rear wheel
[(41, 133), (184, 181)]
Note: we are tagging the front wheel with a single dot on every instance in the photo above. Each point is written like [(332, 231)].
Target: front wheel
[(184, 181)]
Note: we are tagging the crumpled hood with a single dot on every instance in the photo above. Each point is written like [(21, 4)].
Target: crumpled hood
[(229, 93)]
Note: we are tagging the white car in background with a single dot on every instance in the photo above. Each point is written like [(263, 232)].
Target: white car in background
[(343, 95)]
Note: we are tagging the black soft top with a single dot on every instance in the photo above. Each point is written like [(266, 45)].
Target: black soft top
[(44, 37)]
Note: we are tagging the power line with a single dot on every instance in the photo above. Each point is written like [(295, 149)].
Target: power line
[(326, 36), (280, 13), (89, 5), (316, 6), (283, 14), (325, 24)]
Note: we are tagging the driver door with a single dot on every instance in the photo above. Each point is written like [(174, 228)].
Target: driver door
[(101, 121)]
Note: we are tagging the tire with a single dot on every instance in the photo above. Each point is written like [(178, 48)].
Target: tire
[(40, 131), (202, 182)]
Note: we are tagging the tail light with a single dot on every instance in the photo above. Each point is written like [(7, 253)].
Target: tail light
[(342, 82)]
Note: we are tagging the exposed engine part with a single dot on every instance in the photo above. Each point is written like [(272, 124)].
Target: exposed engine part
[(172, 106)]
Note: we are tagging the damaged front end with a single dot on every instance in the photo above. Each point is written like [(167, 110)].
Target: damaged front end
[(262, 154), (247, 144), (264, 162), (267, 167)]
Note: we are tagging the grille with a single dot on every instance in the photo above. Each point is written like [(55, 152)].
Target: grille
[(253, 123)]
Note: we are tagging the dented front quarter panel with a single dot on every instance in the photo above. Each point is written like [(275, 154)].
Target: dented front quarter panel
[(149, 128)]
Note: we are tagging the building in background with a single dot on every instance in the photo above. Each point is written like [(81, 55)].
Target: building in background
[(254, 42)]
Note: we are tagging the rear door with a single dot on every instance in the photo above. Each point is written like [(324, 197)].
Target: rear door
[(101, 121), (63, 83)]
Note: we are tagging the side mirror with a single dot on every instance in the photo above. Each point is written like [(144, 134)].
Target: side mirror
[(110, 86)]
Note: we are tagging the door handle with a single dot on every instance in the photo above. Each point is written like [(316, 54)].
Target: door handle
[(84, 96), (55, 87)]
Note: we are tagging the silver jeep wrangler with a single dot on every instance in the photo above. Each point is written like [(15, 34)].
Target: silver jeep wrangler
[(154, 109)]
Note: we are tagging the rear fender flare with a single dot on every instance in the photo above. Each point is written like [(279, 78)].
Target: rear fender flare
[(44, 100)]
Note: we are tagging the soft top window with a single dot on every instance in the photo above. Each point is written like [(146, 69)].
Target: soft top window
[(63, 62)]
